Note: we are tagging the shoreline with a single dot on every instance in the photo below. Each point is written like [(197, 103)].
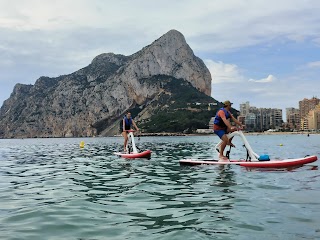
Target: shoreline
[(166, 134), (245, 133), (281, 133)]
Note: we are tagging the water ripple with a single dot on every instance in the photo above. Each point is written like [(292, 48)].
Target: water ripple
[(52, 189)]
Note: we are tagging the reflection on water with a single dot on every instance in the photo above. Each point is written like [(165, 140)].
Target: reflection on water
[(52, 189)]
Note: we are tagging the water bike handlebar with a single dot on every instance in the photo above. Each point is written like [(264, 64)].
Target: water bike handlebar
[(131, 130), (237, 128)]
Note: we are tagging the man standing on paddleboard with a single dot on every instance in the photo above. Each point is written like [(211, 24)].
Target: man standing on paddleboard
[(222, 127), (126, 125)]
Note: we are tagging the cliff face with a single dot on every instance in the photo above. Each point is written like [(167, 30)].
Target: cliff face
[(88, 101)]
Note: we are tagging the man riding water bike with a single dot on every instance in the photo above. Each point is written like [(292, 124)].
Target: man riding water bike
[(222, 127)]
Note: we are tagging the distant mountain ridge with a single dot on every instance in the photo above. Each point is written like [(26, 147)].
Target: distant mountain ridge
[(89, 101)]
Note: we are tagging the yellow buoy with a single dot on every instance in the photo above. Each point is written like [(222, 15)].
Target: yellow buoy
[(82, 144), (281, 144)]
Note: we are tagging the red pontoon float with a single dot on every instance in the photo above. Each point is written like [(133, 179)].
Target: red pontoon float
[(134, 153), (253, 159)]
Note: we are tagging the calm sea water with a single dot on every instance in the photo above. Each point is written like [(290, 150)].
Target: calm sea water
[(52, 189)]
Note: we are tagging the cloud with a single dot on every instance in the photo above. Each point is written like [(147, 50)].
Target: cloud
[(231, 73), (268, 79), (210, 25), (315, 64), (309, 70), (223, 72), (57, 37)]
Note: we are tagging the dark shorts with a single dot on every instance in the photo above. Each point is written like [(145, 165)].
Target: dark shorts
[(220, 133)]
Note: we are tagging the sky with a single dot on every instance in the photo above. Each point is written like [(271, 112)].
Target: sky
[(264, 52)]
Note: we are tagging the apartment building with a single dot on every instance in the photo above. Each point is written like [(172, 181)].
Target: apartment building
[(293, 118), (314, 118), (260, 119), (306, 117)]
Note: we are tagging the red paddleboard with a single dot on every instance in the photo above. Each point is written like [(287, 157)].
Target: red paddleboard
[(255, 164), (144, 154)]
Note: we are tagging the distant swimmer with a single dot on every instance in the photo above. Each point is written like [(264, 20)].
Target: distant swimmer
[(222, 127), (125, 125)]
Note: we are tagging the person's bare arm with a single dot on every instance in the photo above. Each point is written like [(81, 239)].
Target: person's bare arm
[(236, 121), (135, 126)]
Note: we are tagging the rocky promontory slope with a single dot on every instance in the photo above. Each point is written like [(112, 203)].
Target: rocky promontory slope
[(89, 101)]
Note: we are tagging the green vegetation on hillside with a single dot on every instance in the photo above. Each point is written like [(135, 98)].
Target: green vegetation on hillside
[(178, 121), (181, 107)]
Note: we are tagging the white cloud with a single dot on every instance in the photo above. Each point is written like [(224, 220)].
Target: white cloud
[(215, 25), (61, 36), (230, 73), (208, 25), (223, 72), (315, 64), (268, 79)]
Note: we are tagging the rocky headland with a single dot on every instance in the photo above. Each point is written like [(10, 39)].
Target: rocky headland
[(164, 77)]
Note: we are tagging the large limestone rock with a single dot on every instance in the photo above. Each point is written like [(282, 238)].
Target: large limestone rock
[(89, 100)]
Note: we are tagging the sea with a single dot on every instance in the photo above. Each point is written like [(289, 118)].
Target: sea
[(53, 189)]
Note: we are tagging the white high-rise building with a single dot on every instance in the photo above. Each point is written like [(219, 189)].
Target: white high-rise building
[(244, 108), (260, 119)]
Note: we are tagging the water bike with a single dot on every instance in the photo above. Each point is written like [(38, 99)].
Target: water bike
[(132, 149), (252, 159)]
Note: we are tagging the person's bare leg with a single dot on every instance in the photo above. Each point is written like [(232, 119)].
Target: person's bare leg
[(125, 135), (230, 143), (225, 141)]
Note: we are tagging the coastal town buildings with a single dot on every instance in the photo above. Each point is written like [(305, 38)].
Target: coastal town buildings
[(260, 119), (293, 118), (211, 123), (305, 118), (313, 118), (309, 111), (244, 108), (306, 105)]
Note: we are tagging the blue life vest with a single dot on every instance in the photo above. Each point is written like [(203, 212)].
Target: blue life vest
[(127, 122), (218, 120)]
